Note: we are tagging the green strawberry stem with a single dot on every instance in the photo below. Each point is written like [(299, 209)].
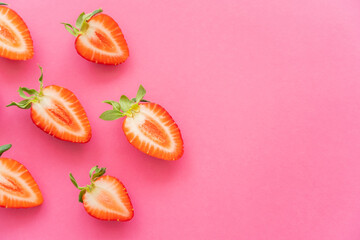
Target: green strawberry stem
[(81, 23), (3, 3), (125, 106), (4, 148), (94, 174), (33, 95)]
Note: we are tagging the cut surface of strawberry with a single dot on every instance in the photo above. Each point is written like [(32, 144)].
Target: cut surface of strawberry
[(15, 39), (57, 111), (99, 38), (147, 126), (18, 188), (105, 198), (60, 114), (153, 131)]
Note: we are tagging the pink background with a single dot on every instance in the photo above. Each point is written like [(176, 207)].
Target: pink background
[(266, 94)]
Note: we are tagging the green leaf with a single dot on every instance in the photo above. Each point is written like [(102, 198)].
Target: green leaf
[(4, 148), (3, 3), (140, 94), (24, 104), (115, 105), (92, 170), (27, 90), (22, 94), (80, 20), (41, 78), (111, 115), (98, 173), (125, 103), (142, 100), (90, 15), (71, 29), (81, 194), (74, 181)]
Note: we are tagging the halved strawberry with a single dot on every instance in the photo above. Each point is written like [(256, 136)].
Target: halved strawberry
[(99, 38), (147, 126), (57, 111), (18, 188), (15, 39), (106, 197)]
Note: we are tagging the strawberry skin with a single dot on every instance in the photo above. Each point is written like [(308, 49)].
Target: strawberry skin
[(99, 38), (108, 200), (56, 111), (103, 42), (153, 131), (106, 197), (147, 126), (15, 39), (18, 188), (60, 114)]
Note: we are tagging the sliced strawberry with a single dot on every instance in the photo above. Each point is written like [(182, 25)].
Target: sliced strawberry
[(154, 132), (147, 126), (106, 197), (103, 42), (58, 112), (18, 188), (99, 38), (108, 200), (15, 39)]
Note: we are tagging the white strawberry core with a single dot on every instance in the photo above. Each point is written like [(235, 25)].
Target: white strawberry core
[(5, 182)]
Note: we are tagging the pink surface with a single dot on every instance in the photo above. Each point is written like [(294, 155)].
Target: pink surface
[(266, 94)]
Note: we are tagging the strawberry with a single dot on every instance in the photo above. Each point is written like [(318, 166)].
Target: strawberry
[(57, 111), (147, 126), (15, 39), (18, 188), (106, 197), (99, 38)]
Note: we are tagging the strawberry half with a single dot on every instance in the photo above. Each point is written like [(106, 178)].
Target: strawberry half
[(15, 39), (57, 111), (99, 38), (106, 197), (18, 188), (147, 126)]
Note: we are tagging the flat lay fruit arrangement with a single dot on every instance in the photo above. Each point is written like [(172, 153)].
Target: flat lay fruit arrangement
[(215, 120), (58, 112)]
